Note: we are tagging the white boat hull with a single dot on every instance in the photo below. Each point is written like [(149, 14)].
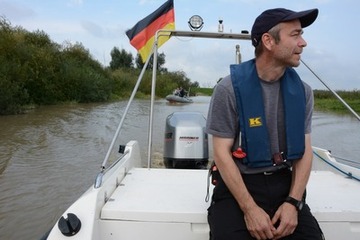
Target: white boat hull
[(142, 203)]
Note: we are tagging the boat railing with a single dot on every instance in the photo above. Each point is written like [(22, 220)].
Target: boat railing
[(347, 161), (132, 96), (100, 175)]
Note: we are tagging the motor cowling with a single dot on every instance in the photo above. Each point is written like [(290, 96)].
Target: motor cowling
[(186, 143)]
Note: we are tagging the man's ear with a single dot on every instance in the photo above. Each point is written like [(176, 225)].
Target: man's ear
[(268, 41)]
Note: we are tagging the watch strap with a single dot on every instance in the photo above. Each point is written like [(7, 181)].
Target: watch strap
[(296, 203)]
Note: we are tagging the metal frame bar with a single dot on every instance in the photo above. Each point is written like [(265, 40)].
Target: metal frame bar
[(194, 34)]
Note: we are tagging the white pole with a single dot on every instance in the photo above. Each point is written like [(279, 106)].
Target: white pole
[(333, 92)]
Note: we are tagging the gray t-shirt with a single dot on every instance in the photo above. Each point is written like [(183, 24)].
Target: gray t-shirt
[(223, 120)]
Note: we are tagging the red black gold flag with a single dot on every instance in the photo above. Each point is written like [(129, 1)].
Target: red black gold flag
[(143, 33)]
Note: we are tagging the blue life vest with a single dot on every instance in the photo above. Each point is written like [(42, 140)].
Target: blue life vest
[(255, 138)]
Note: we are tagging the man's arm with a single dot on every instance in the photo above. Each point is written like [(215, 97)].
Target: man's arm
[(287, 213), (257, 220), (301, 171)]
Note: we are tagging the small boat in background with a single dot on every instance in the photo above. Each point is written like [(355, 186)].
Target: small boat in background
[(176, 98)]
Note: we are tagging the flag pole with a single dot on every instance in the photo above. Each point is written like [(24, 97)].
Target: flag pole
[(166, 32), (103, 165), (153, 87)]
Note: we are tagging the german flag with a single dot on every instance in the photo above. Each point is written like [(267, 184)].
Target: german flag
[(143, 33)]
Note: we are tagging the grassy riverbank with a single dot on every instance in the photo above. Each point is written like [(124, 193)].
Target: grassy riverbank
[(324, 100)]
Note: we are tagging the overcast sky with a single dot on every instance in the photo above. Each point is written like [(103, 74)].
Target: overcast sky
[(333, 50)]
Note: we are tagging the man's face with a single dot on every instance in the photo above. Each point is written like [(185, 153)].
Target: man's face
[(287, 51)]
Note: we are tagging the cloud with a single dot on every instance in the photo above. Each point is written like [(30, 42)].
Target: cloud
[(101, 31), (203, 60), (93, 28), (16, 12)]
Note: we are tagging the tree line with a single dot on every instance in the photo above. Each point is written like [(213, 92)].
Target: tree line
[(34, 71)]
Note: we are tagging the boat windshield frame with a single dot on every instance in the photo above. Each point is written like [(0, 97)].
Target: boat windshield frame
[(154, 52), (192, 34)]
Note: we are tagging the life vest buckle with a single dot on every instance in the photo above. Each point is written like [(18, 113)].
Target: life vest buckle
[(278, 158)]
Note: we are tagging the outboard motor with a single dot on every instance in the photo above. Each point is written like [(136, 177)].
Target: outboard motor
[(186, 143)]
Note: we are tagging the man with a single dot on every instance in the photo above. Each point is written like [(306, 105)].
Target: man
[(260, 119), (182, 92)]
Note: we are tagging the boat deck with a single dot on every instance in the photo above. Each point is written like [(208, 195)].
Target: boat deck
[(327, 199), (159, 191), (178, 196), (160, 195)]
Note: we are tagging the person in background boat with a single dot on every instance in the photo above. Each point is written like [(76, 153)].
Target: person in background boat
[(176, 92), (260, 120), (182, 92)]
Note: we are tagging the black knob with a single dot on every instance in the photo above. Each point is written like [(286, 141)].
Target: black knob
[(69, 226)]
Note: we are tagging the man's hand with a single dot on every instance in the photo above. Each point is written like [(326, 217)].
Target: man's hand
[(259, 223), (287, 217)]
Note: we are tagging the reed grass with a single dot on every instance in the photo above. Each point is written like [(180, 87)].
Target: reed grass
[(326, 101)]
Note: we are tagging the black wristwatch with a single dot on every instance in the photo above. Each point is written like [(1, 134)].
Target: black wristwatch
[(298, 204)]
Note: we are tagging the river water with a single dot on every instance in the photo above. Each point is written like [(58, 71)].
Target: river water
[(51, 155)]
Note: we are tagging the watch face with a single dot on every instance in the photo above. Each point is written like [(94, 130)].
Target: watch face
[(300, 205)]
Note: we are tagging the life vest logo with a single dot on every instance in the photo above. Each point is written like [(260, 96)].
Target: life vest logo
[(255, 122)]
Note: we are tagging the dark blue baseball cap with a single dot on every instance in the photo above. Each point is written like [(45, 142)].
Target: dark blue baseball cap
[(269, 18)]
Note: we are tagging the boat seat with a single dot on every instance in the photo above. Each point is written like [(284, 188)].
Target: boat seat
[(327, 199), (160, 195)]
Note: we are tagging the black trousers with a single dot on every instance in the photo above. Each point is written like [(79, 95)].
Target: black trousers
[(226, 220)]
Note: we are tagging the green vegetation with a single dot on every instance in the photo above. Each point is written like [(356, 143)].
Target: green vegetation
[(37, 71), (202, 91), (326, 101), (125, 80)]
